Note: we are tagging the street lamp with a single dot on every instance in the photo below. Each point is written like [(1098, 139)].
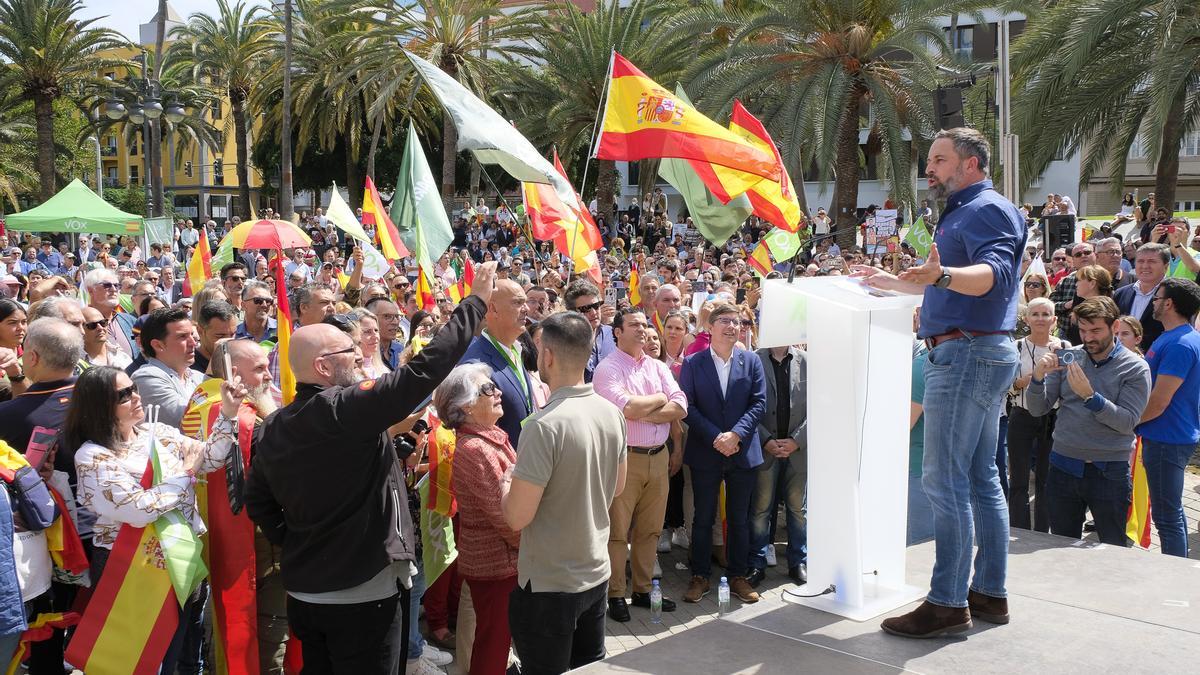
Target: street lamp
[(174, 113), (143, 111)]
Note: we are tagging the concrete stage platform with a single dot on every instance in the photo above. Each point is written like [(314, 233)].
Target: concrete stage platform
[(1077, 608)]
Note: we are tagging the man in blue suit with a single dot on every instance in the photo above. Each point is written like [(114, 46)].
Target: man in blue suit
[(499, 348), (727, 397)]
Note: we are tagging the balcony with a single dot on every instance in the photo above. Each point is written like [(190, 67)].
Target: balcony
[(111, 182), (108, 151)]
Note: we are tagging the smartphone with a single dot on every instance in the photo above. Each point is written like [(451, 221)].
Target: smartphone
[(611, 295), (1068, 356), (41, 441), (741, 295)]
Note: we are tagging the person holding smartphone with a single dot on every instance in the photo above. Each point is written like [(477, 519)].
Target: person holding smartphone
[(1101, 391)]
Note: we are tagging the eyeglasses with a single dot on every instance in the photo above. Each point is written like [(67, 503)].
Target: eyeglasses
[(126, 395), (263, 301), (109, 285), (726, 321), (347, 350), (488, 389), (594, 307), (1060, 259), (1080, 254)]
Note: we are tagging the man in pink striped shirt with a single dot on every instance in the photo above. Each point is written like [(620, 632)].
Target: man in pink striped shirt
[(643, 388)]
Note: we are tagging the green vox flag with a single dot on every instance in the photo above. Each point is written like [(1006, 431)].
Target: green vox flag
[(417, 208), (919, 238), (783, 244)]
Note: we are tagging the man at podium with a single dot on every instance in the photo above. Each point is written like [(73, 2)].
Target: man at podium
[(969, 283)]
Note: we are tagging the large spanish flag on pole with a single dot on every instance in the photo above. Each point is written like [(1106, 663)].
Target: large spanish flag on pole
[(643, 120), (199, 268), (774, 200), (567, 223)]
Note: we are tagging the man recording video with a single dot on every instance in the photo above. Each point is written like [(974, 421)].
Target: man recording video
[(1101, 390)]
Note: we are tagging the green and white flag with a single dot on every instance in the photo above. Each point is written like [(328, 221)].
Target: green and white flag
[(343, 218), (181, 547), (223, 255), (919, 238), (783, 244), (417, 209)]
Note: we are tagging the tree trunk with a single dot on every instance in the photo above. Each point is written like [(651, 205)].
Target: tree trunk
[(375, 134), (354, 181), (237, 100), (1166, 174), (285, 140), (845, 216), (647, 177), (449, 157), (43, 109), (606, 181), (797, 175)]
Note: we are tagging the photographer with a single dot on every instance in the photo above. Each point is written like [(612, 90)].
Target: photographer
[(1101, 391)]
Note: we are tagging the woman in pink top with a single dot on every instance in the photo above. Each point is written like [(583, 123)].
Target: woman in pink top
[(469, 403)]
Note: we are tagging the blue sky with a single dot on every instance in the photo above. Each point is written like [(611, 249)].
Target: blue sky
[(125, 16)]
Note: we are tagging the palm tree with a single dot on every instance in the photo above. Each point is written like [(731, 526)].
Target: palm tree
[(820, 71), (226, 52), (17, 149), (1097, 74), (557, 102), (468, 39), (46, 52)]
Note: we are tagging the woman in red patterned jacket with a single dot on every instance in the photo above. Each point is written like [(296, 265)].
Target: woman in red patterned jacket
[(469, 403)]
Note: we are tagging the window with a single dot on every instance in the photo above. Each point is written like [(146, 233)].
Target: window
[(133, 174), (965, 46), (216, 112), (1191, 145), (133, 146)]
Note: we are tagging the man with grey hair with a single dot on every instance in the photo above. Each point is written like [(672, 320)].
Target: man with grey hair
[(104, 293), (257, 301), (1109, 254), (58, 307)]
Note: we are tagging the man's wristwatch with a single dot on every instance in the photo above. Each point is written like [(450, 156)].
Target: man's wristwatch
[(19, 377), (944, 280)]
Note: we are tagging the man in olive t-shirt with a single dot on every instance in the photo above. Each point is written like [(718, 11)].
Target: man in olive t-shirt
[(570, 466)]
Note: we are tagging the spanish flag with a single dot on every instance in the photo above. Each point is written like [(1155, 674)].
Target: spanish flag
[(1137, 523), (773, 201), (425, 297), (760, 259), (643, 120), (462, 289), (133, 613), (199, 268), (565, 222), (41, 628), (385, 231), (283, 332), (635, 293)]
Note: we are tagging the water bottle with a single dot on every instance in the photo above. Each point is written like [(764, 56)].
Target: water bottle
[(723, 597), (655, 603)]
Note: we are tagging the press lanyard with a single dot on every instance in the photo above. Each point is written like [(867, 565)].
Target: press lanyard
[(517, 371)]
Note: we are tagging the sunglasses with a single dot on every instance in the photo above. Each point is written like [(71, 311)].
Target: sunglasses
[(1080, 254), (1060, 259), (93, 325), (109, 285), (584, 309), (488, 389), (263, 301), (1034, 284), (126, 395)]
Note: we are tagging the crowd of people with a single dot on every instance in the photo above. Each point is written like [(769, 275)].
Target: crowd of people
[(588, 426)]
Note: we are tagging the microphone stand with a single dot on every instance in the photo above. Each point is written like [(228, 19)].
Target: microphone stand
[(809, 246)]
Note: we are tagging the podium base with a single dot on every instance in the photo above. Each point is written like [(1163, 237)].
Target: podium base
[(877, 600)]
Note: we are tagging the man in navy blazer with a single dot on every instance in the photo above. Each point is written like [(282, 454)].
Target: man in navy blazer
[(498, 347), (727, 397), (1150, 267)]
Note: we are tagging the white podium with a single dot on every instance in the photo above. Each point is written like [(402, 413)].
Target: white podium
[(859, 389)]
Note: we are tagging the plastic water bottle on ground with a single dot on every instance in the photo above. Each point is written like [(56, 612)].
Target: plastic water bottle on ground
[(723, 597), (655, 603)]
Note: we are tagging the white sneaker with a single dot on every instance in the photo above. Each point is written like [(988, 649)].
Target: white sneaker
[(771, 562), (657, 569), (664, 542), (680, 538), (421, 666), (436, 656)]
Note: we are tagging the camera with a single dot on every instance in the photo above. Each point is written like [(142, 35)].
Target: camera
[(406, 444), (1068, 356)]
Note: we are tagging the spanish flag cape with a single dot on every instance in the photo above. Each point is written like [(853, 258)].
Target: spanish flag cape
[(41, 628), (1137, 523), (134, 611), (229, 551), (66, 550)]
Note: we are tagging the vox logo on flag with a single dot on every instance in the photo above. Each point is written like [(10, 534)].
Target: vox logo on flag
[(658, 106)]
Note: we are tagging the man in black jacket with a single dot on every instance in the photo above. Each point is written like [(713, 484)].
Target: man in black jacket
[(326, 485)]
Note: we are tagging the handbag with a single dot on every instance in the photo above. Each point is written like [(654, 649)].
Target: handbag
[(31, 499)]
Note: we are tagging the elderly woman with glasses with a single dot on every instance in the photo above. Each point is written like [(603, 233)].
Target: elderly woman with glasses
[(107, 429), (469, 403)]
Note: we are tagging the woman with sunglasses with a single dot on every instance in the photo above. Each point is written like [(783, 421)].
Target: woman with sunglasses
[(748, 335), (106, 427), (13, 325), (1034, 286), (468, 402), (368, 342), (97, 349)]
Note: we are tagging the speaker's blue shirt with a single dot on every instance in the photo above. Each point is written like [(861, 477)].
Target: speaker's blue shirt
[(978, 226)]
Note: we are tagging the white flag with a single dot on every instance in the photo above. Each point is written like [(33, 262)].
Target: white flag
[(343, 218)]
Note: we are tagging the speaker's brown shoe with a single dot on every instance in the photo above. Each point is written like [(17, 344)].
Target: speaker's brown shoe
[(929, 621), (986, 608)]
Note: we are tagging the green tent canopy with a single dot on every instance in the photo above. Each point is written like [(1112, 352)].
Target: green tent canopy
[(77, 209)]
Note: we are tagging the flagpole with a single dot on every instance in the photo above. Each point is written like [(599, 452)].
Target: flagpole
[(601, 108)]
